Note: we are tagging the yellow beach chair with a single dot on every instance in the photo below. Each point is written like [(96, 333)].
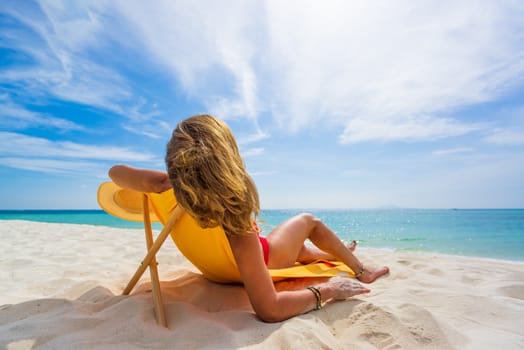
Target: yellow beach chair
[(162, 207)]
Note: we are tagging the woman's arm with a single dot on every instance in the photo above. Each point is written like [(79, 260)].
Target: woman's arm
[(142, 180), (273, 306)]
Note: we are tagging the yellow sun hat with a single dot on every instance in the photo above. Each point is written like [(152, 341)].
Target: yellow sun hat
[(123, 203)]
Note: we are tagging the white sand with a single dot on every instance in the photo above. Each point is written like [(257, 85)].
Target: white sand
[(60, 287)]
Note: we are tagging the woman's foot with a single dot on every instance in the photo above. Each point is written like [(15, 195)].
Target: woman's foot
[(371, 274)]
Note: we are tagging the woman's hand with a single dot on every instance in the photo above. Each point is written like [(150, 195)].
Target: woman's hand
[(343, 288), (164, 183)]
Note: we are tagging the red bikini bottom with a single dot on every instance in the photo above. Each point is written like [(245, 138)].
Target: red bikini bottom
[(265, 248)]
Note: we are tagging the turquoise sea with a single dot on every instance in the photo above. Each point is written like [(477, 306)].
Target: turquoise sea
[(488, 233)]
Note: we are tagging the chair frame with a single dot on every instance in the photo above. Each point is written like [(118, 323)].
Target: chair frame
[(150, 258)]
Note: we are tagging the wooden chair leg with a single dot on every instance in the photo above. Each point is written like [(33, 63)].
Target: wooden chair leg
[(153, 270), (153, 249)]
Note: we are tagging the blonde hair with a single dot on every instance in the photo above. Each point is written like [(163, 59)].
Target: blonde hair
[(209, 176)]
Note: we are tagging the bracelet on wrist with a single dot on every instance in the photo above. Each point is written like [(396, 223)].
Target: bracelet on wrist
[(318, 296)]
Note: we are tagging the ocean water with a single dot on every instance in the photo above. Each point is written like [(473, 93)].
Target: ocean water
[(488, 233)]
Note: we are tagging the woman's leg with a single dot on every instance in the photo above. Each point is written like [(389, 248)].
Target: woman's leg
[(310, 253), (286, 243)]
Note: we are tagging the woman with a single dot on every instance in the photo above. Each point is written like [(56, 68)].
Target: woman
[(210, 182)]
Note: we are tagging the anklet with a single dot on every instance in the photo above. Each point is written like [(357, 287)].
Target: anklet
[(359, 273), (318, 296)]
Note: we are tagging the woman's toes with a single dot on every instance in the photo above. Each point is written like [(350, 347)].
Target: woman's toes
[(352, 246)]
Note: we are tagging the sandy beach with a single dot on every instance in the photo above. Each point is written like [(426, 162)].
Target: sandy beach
[(61, 284)]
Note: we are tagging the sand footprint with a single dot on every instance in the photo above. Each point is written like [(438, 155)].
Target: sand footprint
[(513, 291)]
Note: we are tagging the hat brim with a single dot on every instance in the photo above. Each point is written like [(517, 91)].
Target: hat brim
[(123, 203)]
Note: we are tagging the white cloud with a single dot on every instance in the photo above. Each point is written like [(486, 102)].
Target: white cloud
[(406, 129), (506, 137), (382, 70), (49, 165), (375, 66), (263, 173), (20, 145), (259, 135), (60, 39), (14, 116), (252, 152), (445, 152), (379, 70), (204, 45), (155, 129), (61, 65)]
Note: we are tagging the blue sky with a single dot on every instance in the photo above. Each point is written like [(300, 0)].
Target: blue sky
[(335, 104)]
